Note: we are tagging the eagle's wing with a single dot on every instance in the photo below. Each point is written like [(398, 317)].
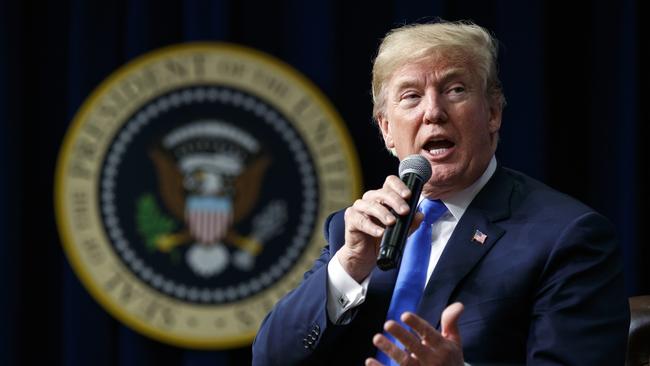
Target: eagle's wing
[(170, 180), (247, 187)]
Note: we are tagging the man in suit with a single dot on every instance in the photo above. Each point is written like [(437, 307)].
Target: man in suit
[(516, 272)]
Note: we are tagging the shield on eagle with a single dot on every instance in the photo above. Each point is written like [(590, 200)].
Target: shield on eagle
[(208, 217)]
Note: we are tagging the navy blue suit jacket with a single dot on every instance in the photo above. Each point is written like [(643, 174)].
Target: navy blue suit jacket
[(545, 288)]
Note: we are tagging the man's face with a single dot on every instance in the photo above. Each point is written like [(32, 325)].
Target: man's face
[(438, 108)]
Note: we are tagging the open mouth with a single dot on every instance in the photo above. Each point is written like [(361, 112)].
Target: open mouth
[(438, 146)]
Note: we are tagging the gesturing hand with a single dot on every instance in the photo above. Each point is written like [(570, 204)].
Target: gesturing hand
[(426, 347)]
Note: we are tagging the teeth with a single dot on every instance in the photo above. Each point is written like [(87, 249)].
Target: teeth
[(437, 151)]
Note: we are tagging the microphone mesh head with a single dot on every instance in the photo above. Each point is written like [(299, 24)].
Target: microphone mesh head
[(416, 164)]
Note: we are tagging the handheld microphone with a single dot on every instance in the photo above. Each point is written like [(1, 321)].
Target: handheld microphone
[(414, 171)]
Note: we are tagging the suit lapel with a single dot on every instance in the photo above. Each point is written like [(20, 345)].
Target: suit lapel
[(463, 250)]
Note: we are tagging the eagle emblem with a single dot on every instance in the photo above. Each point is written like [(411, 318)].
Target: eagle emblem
[(209, 175)]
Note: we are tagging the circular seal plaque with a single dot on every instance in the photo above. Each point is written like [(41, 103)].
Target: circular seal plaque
[(191, 188)]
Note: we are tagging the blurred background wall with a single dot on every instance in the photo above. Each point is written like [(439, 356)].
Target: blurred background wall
[(574, 75)]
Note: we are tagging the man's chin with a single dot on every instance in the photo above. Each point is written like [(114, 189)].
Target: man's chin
[(442, 183), (444, 174)]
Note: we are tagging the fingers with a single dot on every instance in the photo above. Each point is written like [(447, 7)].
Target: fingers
[(422, 328), (372, 213), (390, 349), (449, 322), (426, 346), (395, 184), (410, 341), (392, 195), (365, 223), (356, 219), (374, 208), (372, 362)]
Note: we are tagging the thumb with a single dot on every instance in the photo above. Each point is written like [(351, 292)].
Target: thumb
[(417, 220), (449, 322)]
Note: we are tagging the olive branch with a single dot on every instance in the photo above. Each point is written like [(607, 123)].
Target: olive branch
[(151, 222)]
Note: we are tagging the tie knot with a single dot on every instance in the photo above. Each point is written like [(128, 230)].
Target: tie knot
[(432, 210)]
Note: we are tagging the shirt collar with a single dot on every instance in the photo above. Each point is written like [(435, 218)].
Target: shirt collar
[(458, 202)]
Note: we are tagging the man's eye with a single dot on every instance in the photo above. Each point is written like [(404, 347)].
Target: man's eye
[(410, 96), (457, 90)]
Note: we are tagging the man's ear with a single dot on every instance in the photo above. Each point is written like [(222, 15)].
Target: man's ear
[(386, 133), (496, 111)]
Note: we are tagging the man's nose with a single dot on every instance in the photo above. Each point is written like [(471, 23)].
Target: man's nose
[(434, 111)]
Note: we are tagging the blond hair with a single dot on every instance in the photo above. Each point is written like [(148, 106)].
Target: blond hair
[(417, 41)]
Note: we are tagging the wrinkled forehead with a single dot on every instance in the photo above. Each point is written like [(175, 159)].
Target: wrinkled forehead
[(437, 67)]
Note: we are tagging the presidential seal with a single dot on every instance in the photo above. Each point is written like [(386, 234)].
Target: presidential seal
[(191, 188)]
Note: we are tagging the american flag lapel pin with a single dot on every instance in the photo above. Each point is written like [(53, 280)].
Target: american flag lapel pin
[(479, 237)]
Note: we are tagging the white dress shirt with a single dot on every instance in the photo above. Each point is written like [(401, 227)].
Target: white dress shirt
[(344, 293)]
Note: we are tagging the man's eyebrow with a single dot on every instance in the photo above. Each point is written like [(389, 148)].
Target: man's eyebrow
[(442, 77), (451, 73), (407, 82)]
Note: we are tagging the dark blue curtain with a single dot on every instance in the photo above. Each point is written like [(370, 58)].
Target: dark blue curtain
[(6, 237), (574, 78)]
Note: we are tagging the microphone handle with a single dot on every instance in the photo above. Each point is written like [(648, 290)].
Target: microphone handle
[(392, 244)]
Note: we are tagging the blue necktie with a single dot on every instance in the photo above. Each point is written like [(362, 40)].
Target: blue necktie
[(413, 270)]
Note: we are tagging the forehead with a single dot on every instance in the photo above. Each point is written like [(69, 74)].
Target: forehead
[(435, 68)]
